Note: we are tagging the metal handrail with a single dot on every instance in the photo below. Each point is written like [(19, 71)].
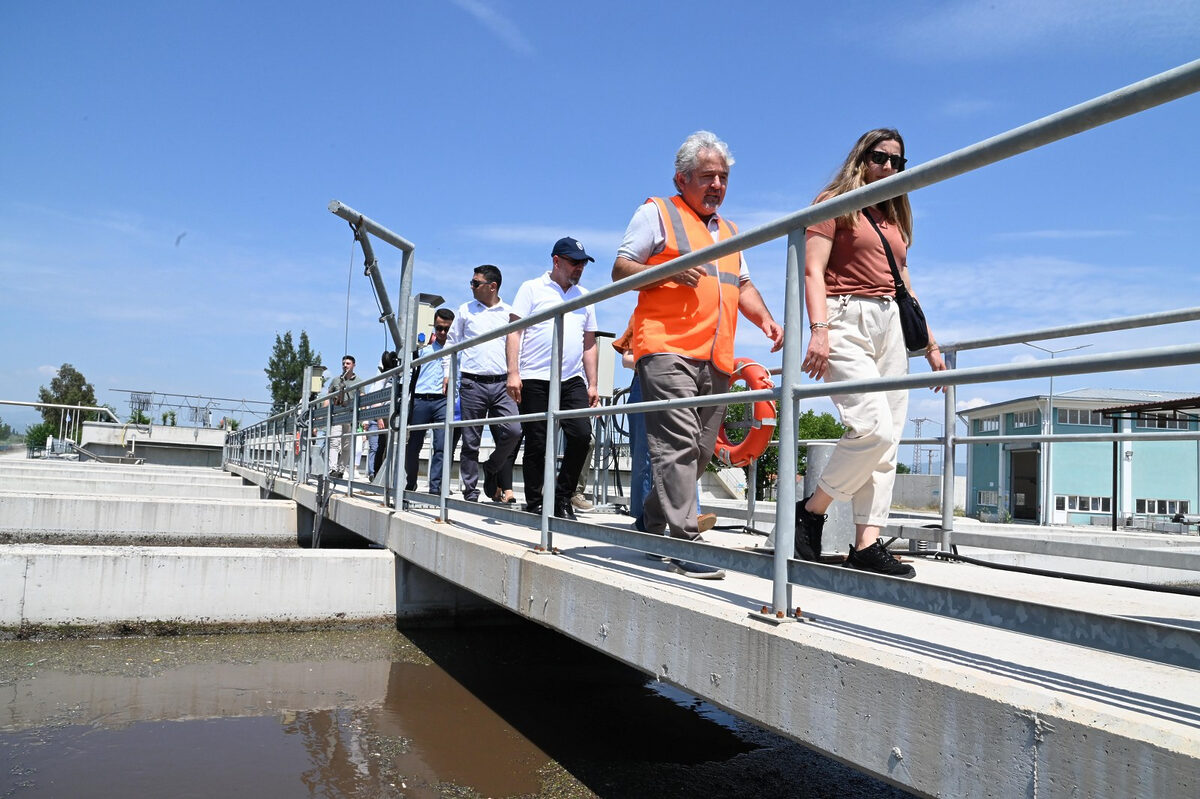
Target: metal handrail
[(1137, 97)]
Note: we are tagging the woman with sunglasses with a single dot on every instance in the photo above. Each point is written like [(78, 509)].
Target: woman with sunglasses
[(855, 324)]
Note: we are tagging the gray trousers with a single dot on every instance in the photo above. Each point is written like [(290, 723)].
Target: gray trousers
[(480, 400), (680, 440)]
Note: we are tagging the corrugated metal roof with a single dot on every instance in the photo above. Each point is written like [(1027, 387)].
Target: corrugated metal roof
[(1107, 396)]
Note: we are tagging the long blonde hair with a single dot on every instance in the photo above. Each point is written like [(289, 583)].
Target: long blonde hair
[(851, 176)]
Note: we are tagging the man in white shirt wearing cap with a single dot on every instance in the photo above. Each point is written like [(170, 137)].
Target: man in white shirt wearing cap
[(529, 356)]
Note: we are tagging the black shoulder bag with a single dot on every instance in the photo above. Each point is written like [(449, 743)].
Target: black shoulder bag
[(912, 318)]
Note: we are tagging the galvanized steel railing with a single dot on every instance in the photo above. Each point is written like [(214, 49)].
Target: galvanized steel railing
[(267, 444)]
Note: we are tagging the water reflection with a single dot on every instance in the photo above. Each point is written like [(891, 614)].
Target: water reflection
[(501, 712)]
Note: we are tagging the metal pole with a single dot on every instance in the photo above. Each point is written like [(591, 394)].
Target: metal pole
[(785, 502), (447, 434), (1116, 463), (551, 454), (408, 306), (948, 406), (751, 491)]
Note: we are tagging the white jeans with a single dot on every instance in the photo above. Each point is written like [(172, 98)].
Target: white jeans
[(865, 341)]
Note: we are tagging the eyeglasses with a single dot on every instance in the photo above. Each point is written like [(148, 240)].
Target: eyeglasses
[(477, 283), (879, 158), (437, 329)]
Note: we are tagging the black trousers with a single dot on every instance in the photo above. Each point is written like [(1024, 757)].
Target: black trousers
[(577, 433)]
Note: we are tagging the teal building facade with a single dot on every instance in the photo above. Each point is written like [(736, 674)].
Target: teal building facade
[(1082, 483)]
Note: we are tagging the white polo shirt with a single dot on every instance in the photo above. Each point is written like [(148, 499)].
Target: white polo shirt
[(474, 319), (536, 295)]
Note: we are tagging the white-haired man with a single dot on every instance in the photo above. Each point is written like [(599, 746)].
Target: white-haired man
[(683, 330)]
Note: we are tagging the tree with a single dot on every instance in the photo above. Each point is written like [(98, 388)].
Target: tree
[(6, 430), (138, 416), (35, 435), (68, 387), (285, 369), (902, 468), (809, 426)]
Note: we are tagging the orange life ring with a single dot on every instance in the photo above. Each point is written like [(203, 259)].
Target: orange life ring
[(755, 444)]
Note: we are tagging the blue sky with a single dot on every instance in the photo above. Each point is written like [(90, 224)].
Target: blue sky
[(165, 168)]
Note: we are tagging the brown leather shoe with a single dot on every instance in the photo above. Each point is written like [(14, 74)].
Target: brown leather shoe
[(706, 522)]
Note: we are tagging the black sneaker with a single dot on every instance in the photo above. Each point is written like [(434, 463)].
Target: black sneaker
[(877, 559), (808, 532)]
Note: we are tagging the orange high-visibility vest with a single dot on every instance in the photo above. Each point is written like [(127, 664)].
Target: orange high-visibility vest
[(695, 322)]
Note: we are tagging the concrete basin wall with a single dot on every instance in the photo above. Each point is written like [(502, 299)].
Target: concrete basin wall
[(87, 586), (106, 519), (108, 486)]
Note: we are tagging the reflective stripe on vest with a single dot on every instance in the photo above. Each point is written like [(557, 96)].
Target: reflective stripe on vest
[(695, 322)]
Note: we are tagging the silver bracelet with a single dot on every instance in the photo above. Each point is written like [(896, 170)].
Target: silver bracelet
[(817, 325)]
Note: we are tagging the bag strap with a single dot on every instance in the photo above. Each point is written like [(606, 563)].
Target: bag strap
[(901, 289)]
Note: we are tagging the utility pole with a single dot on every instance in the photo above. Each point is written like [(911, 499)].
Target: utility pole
[(920, 448)]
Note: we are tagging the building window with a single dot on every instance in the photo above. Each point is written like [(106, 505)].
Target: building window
[(1161, 421), (1080, 504), (989, 498), (1161, 507), (1025, 419), (1079, 416), (989, 425)]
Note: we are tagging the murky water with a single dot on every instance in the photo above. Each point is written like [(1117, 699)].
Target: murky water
[(499, 712)]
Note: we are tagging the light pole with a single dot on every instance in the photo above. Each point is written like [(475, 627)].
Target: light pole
[(1047, 429)]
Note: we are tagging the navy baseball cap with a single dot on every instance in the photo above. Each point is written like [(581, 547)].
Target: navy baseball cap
[(571, 248)]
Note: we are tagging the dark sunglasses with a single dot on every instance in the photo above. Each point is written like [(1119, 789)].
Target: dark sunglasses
[(879, 158), (437, 329), (477, 283)]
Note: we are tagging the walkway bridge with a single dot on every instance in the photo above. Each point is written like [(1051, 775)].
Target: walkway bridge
[(966, 681)]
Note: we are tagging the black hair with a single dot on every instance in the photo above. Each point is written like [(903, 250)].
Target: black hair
[(490, 273)]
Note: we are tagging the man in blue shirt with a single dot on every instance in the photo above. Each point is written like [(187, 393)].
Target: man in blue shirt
[(429, 405)]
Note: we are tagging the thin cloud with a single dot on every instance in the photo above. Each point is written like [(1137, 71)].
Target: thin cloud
[(959, 109), (1004, 28), (1067, 234), (500, 25), (544, 236)]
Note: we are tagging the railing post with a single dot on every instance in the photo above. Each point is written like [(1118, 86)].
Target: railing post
[(785, 502), (407, 305), (447, 434), (751, 489), (950, 403), (353, 464), (553, 398)]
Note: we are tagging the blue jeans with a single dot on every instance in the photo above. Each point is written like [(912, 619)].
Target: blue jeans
[(640, 476), (424, 410)]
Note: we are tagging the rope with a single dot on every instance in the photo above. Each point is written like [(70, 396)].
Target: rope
[(349, 277)]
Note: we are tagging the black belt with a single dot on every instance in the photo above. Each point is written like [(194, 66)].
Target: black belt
[(485, 378), (430, 396)]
